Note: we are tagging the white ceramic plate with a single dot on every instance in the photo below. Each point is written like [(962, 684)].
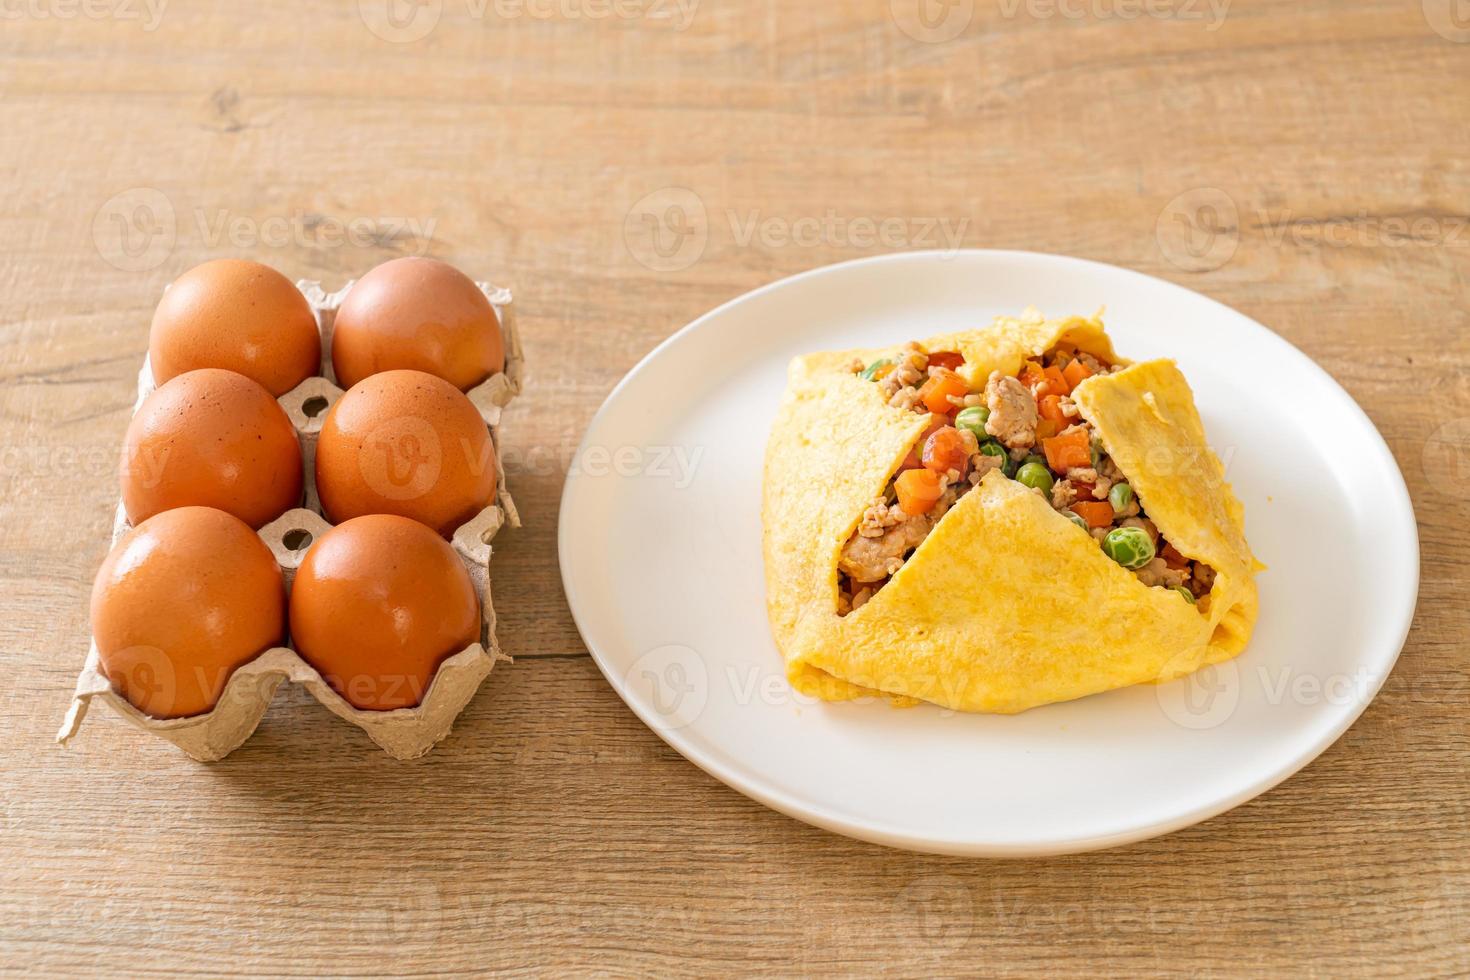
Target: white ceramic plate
[(660, 545)]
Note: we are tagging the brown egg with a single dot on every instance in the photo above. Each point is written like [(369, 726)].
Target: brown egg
[(407, 443), (377, 604), (182, 601), (418, 314), (211, 438), (238, 315)]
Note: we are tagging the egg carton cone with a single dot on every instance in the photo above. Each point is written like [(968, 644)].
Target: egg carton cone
[(404, 733)]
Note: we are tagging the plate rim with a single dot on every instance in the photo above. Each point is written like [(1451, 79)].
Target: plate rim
[(880, 833)]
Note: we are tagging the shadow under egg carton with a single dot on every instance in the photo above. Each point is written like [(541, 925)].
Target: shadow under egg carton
[(404, 733)]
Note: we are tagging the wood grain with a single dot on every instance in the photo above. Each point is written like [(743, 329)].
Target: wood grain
[(552, 832)]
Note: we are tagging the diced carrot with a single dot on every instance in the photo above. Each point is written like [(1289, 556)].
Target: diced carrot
[(935, 393), (918, 491), (1051, 407), (1032, 374), (1172, 557), (1075, 373), (1097, 513), (946, 359), (1046, 428), (1084, 490), (913, 460), (883, 371), (1056, 383), (1066, 451)]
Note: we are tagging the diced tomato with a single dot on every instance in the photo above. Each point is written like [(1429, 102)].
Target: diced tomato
[(1097, 513), (1084, 490), (918, 491), (1051, 407), (1076, 372), (945, 450), (946, 359), (936, 392), (1056, 384), (1172, 557), (1066, 451)]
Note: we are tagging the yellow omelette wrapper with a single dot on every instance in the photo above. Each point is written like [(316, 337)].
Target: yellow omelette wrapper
[(1007, 604)]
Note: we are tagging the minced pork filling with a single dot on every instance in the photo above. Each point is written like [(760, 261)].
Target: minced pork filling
[(1026, 426)]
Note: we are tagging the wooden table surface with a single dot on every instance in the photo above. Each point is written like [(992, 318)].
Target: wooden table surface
[(627, 166)]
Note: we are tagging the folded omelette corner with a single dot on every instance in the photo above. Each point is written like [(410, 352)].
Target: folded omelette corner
[(1005, 605)]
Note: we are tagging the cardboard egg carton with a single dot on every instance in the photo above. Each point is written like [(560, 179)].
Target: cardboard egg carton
[(404, 733)]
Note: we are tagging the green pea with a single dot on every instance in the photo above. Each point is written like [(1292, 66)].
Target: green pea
[(1035, 476), (1076, 518), (870, 373), (1130, 547), (973, 419), (1120, 496), (1188, 595), (1095, 450)]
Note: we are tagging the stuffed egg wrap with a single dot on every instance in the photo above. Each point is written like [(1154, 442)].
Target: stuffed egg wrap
[(998, 519)]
